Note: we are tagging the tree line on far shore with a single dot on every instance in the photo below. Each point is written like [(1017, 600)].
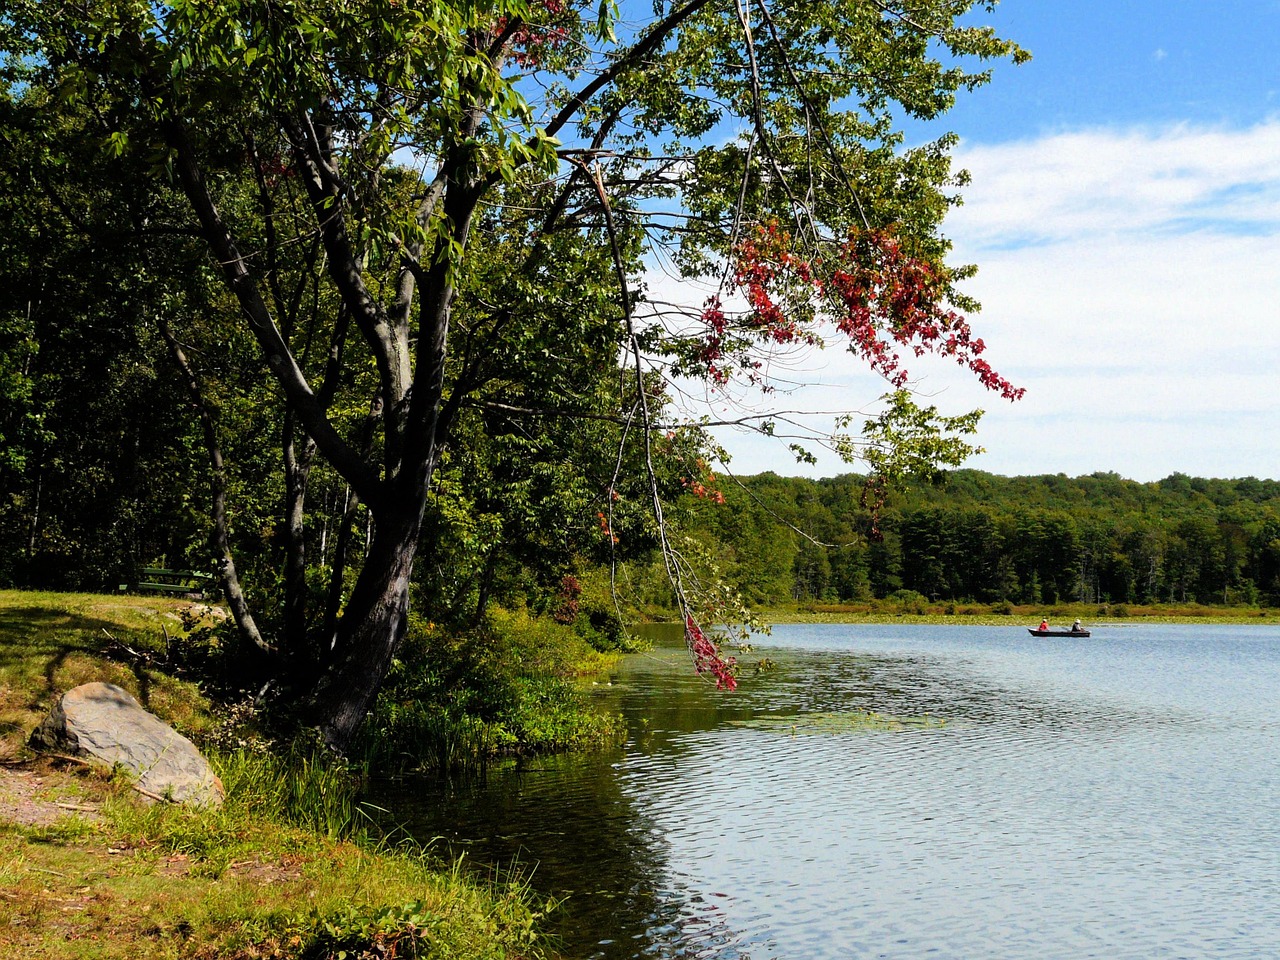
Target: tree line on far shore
[(981, 538)]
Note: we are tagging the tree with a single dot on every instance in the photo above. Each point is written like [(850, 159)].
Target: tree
[(431, 210), (92, 469), (811, 572)]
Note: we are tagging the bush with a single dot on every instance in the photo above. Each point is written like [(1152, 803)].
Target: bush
[(908, 601), (597, 620), (454, 701)]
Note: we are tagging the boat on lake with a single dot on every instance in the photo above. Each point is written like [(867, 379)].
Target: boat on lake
[(1057, 633)]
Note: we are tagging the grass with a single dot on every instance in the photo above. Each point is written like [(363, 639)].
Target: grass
[(51, 642), (289, 867), (165, 882)]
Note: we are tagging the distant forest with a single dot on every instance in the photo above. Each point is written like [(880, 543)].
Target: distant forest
[(982, 538)]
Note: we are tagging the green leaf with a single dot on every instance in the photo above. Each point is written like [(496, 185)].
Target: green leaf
[(117, 143), (606, 15)]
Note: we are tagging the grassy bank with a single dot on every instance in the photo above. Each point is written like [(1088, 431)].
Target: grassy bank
[(283, 869)]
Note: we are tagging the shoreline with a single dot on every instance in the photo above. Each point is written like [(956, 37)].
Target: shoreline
[(999, 620)]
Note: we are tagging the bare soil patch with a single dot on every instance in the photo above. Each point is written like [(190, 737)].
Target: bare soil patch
[(32, 799)]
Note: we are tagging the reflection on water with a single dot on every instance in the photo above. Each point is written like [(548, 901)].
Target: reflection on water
[(1111, 797)]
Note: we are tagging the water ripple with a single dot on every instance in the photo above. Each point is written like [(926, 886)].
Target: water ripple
[(1110, 801)]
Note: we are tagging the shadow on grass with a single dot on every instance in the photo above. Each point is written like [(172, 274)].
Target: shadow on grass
[(31, 635)]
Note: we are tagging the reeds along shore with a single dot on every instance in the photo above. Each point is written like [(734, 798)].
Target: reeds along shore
[(932, 611)]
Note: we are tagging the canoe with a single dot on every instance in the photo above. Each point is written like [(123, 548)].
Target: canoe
[(1057, 633)]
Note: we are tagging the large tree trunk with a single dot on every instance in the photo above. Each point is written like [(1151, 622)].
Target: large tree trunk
[(371, 630), (373, 622)]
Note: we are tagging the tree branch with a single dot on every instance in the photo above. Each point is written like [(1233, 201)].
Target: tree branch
[(390, 351), (218, 496), (278, 355), (652, 41)]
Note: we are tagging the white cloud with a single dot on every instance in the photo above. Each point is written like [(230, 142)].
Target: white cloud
[(1134, 182), (1143, 320), (1131, 281)]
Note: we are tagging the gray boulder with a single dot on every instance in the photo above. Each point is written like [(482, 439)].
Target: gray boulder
[(103, 723)]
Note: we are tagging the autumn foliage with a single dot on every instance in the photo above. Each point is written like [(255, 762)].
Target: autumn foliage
[(870, 289), (706, 656)]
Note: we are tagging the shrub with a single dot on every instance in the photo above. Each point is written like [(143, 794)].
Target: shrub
[(908, 601), (454, 701)]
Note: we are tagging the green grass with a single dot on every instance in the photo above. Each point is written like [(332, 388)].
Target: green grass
[(290, 866), (51, 642), (164, 882), (303, 788)]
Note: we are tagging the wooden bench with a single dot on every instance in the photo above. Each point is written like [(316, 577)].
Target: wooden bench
[(162, 580)]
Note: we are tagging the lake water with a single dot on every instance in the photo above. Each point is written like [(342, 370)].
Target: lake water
[(1111, 797)]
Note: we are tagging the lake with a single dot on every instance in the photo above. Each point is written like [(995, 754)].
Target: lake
[(907, 791)]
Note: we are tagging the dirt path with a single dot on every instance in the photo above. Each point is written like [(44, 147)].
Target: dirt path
[(29, 798)]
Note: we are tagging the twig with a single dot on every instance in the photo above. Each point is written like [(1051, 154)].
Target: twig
[(70, 759), (817, 117), (137, 655), (153, 796)]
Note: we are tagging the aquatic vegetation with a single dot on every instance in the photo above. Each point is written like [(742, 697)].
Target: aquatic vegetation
[(846, 721)]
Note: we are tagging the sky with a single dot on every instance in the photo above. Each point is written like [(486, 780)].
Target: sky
[(1124, 213)]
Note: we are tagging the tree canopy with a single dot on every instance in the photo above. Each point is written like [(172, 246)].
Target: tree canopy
[(408, 239)]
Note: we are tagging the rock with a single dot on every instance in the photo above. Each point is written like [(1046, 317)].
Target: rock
[(104, 723)]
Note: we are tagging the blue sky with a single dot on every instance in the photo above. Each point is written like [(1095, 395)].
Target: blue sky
[(1128, 62), (1125, 217)]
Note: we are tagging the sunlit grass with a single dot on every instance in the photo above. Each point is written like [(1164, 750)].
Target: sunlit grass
[(289, 866), (168, 882), (51, 642), (242, 881)]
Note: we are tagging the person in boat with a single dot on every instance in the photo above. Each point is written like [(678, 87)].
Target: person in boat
[(1075, 627), (1044, 624)]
